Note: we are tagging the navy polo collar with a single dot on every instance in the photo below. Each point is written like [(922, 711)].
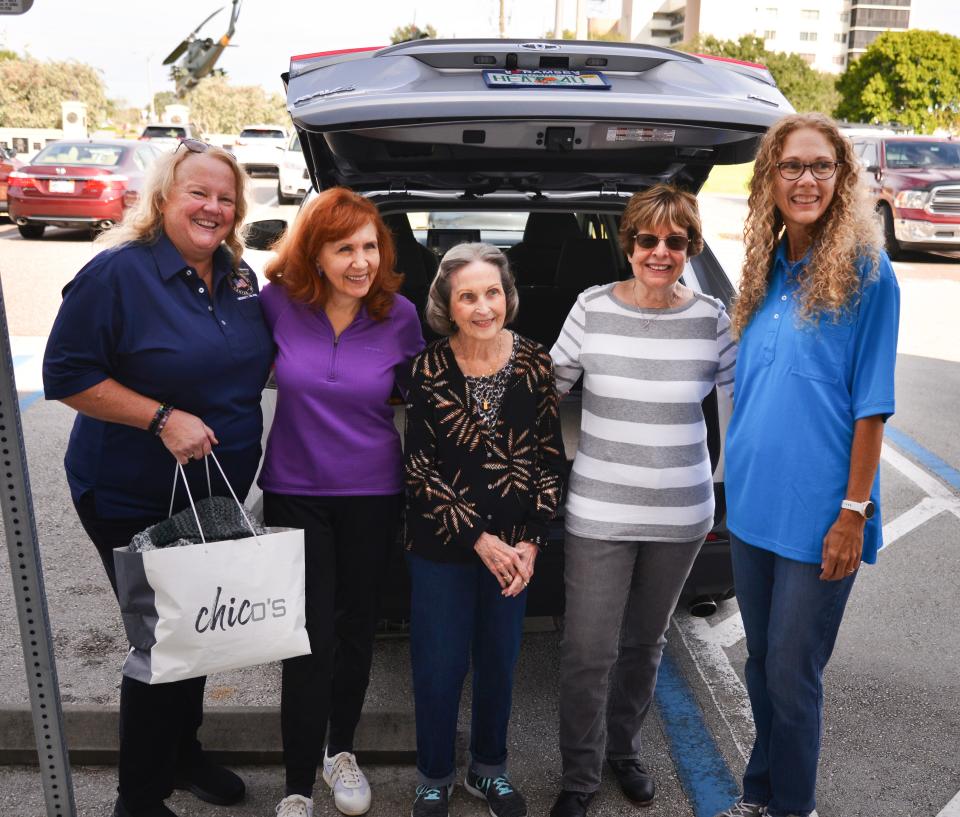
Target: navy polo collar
[(170, 262)]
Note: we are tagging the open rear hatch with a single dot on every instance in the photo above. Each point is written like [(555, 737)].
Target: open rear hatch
[(540, 117)]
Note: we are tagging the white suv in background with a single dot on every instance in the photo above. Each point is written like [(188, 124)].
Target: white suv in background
[(259, 148), (294, 180)]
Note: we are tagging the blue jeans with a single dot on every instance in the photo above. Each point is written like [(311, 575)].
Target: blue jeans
[(455, 610), (791, 619)]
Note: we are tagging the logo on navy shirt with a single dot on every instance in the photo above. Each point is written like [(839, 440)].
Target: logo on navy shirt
[(240, 283)]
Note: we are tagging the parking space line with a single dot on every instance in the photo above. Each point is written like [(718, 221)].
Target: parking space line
[(719, 676), (928, 459), (708, 782), (27, 399), (951, 809)]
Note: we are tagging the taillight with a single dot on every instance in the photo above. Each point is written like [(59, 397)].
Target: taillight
[(130, 198), (106, 181), (21, 181)]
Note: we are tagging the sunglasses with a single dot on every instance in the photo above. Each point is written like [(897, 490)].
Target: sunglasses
[(675, 242), (193, 145), (791, 171)]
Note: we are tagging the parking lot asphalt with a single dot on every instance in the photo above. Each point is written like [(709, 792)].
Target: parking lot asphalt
[(893, 725)]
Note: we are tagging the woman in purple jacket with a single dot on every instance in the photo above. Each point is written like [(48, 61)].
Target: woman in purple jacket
[(344, 340)]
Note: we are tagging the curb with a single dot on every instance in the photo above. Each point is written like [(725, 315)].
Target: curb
[(231, 734)]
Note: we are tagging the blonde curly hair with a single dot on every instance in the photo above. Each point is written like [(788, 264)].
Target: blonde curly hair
[(143, 223), (846, 231)]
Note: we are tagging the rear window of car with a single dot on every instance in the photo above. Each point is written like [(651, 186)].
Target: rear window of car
[(64, 153), (923, 154), (164, 132), (295, 144), (260, 133)]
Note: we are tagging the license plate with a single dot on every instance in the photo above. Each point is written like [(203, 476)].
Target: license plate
[(529, 78), (62, 185)]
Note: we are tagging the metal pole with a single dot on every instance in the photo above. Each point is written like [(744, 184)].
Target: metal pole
[(31, 599), (582, 32), (558, 20), (503, 20)]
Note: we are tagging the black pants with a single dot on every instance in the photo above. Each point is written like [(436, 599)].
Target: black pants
[(348, 543), (158, 723)]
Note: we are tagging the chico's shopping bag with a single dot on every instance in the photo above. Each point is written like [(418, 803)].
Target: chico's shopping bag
[(196, 609)]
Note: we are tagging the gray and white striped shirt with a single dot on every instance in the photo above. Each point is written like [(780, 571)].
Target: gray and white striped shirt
[(642, 469)]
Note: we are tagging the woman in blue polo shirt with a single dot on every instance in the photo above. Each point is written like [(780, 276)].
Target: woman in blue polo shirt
[(817, 320), (161, 347)]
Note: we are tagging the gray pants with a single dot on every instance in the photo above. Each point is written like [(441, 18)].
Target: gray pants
[(620, 596)]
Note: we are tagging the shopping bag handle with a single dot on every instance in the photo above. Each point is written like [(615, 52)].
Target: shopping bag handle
[(178, 472)]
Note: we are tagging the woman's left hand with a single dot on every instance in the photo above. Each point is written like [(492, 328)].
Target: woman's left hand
[(842, 547), (527, 552)]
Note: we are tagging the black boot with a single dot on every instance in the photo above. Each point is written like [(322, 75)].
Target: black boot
[(572, 804), (211, 782), (635, 781)]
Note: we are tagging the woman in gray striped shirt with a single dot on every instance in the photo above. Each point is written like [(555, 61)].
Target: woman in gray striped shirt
[(640, 500)]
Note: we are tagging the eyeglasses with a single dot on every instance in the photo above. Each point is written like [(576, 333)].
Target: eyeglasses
[(194, 145), (674, 241), (791, 171)]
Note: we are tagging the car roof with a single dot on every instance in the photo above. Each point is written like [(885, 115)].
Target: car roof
[(424, 115), (93, 141)]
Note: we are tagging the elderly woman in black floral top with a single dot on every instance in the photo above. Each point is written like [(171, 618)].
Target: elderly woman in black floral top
[(484, 467)]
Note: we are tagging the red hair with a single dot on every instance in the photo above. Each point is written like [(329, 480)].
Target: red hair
[(333, 215)]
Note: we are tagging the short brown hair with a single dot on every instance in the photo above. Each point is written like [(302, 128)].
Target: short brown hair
[(333, 215), (455, 259), (659, 206)]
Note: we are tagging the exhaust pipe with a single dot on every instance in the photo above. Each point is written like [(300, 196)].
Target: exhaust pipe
[(106, 224), (702, 606), (21, 221)]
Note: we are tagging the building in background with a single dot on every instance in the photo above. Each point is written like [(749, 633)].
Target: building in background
[(826, 33)]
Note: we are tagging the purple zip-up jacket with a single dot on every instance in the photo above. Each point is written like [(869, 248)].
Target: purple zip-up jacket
[(333, 433)]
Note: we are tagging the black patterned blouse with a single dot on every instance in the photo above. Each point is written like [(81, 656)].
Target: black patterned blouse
[(464, 478)]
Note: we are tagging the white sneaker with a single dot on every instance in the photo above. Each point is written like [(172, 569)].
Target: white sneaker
[(351, 791), (295, 805)]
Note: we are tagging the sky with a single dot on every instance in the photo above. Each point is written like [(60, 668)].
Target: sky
[(128, 39)]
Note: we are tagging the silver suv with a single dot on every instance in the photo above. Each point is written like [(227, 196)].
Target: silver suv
[(543, 142)]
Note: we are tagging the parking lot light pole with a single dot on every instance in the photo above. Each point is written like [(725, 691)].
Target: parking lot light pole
[(31, 599)]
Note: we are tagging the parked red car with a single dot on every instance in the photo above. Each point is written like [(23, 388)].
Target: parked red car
[(83, 183), (915, 182), (8, 163)]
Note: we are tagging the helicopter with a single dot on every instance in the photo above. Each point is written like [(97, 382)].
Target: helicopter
[(199, 54)]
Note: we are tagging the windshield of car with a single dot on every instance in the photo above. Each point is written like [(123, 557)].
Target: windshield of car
[(258, 133), (923, 154), (66, 153), (164, 132)]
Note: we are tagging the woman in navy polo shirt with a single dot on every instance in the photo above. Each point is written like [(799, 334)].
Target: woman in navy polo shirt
[(345, 341), (161, 347), (817, 320)]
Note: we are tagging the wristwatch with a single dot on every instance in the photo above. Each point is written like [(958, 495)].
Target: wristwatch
[(865, 509)]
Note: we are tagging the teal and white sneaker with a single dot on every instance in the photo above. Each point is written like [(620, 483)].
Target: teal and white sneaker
[(503, 800), (432, 801)]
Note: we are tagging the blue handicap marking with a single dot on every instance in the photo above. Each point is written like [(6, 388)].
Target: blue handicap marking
[(928, 459), (707, 780), (27, 399)]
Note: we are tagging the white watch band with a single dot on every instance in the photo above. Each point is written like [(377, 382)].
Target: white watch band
[(858, 507)]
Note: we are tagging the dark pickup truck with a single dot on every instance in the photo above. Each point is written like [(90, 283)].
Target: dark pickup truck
[(916, 183)]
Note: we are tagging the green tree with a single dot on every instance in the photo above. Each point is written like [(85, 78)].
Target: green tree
[(31, 92), (907, 77), (805, 88), (403, 34), (160, 101), (218, 107)]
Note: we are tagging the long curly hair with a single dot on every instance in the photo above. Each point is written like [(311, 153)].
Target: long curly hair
[(143, 223), (333, 215), (846, 231)]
